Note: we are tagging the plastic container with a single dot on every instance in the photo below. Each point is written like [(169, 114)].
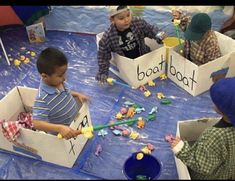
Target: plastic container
[(146, 168), (170, 42)]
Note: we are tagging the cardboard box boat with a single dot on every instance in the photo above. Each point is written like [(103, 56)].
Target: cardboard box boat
[(197, 79), (39, 145), (140, 70), (190, 130)]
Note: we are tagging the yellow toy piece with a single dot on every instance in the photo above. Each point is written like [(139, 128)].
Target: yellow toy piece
[(151, 83), (139, 156), (160, 95), (17, 62), (59, 136), (22, 57), (134, 135), (110, 81), (176, 22), (27, 60), (163, 76), (146, 150), (147, 93), (119, 116), (33, 54), (87, 132)]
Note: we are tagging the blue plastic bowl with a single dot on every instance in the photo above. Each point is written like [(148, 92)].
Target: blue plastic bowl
[(148, 168)]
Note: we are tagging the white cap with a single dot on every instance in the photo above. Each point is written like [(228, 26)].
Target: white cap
[(113, 10)]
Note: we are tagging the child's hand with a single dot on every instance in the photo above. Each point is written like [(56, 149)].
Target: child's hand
[(101, 78), (164, 35), (161, 36), (175, 142), (83, 98), (176, 14), (68, 132)]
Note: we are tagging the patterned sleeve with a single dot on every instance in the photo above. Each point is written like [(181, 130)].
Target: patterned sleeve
[(104, 55), (40, 110), (205, 155), (184, 21), (149, 30)]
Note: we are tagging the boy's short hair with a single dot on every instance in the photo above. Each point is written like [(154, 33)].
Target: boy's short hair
[(223, 95), (49, 59), (114, 10)]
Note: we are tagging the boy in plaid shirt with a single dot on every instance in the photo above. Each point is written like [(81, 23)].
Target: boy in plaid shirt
[(212, 156), (201, 45), (125, 37)]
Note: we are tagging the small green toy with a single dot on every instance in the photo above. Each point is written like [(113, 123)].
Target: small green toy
[(165, 101)]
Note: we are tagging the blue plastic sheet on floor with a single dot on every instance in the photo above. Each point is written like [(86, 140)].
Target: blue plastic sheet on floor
[(95, 20), (106, 101)]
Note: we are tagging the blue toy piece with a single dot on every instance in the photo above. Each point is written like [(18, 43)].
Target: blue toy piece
[(128, 103), (117, 132), (102, 132), (154, 110), (139, 109)]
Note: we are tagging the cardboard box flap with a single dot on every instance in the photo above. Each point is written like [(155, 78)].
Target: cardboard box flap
[(11, 104), (27, 97), (190, 130), (226, 44)]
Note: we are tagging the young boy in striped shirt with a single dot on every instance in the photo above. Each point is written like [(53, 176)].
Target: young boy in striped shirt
[(55, 106)]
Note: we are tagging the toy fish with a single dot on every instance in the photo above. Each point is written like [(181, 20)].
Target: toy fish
[(154, 110), (151, 83), (139, 110), (128, 103), (102, 132), (98, 149), (165, 101)]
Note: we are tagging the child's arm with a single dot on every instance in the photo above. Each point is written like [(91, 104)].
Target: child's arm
[(149, 30), (104, 56), (204, 157), (81, 97), (64, 130)]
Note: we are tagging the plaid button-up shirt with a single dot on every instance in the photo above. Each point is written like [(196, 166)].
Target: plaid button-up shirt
[(212, 156), (110, 42), (11, 129), (202, 51)]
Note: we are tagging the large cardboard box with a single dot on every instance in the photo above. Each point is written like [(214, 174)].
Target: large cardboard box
[(190, 130), (39, 145), (140, 70), (198, 79)]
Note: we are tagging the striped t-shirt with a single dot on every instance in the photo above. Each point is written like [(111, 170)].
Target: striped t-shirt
[(54, 105)]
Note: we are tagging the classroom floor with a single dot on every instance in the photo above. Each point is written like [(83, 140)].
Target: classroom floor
[(106, 101)]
